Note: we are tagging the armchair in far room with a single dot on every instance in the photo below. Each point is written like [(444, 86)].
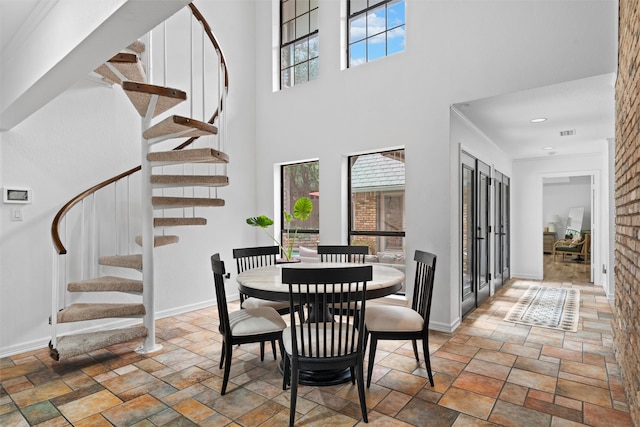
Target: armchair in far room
[(579, 245)]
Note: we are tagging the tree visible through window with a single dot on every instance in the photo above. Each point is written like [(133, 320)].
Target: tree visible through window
[(376, 29), (301, 180), (376, 208), (298, 42)]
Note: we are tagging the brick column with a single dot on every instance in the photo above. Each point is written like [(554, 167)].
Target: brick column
[(626, 324)]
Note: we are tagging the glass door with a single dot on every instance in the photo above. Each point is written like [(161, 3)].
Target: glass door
[(468, 218), (482, 231), (501, 229)]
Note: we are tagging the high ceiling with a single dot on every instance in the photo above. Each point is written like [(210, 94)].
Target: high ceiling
[(586, 106)]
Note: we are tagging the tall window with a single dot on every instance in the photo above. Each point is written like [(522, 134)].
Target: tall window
[(298, 42), (301, 180), (376, 209), (376, 29)]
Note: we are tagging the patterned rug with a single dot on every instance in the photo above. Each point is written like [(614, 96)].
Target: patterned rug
[(553, 308)]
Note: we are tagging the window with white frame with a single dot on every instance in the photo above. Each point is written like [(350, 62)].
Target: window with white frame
[(376, 28), (299, 51), (300, 180)]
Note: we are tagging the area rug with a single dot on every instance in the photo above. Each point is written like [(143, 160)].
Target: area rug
[(553, 308)]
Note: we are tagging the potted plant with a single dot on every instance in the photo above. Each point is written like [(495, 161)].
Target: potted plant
[(301, 210)]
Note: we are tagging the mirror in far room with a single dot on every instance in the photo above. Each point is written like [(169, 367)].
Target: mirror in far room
[(574, 221)]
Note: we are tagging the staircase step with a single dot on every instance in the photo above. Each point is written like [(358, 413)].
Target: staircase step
[(189, 180), (75, 345), (127, 64), (179, 127), (177, 222), (195, 155), (126, 261), (141, 94), (106, 284), (86, 311), (183, 202), (160, 240), (137, 47)]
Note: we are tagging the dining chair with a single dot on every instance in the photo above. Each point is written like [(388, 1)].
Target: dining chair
[(324, 342), (405, 323), (250, 325), (343, 253)]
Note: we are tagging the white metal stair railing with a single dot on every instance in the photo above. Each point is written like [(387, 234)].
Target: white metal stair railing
[(112, 208)]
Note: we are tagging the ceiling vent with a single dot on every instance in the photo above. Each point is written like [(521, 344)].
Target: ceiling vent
[(567, 132)]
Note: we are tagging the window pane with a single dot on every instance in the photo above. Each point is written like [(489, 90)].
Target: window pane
[(357, 5), (302, 6), (376, 47), (395, 40), (301, 73), (313, 47), (313, 21), (376, 21), (301, 180), (285, 78), (357, 29), (301, 51), (286, 56), (314, 69), (313, 4), (288, 10), (302, 26), (358, 53), (395, 14), (288, 34)]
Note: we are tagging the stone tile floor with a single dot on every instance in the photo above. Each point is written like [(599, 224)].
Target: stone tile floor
[(488, 372)]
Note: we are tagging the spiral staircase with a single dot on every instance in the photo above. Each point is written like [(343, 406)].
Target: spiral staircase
[(159, 178)]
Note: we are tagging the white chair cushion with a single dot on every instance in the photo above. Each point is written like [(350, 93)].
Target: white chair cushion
[(259, 303), (253, 321), (392, 319), (288, 346)]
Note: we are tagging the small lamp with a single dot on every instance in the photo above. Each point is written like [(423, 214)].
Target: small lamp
[(552, 223)]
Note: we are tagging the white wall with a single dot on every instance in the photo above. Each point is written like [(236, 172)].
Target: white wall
[(455, 51), (527, 216), (90, 133)]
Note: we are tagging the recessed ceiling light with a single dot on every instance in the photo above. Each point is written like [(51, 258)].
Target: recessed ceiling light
[(548, 148), (539, 120)]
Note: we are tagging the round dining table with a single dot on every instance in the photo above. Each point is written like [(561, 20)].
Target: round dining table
[(266, 283)]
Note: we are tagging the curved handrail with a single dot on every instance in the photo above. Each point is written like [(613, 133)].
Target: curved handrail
[(55, 225)]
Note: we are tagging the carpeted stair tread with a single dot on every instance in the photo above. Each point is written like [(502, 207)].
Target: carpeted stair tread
[(178, 222), (179, 127), (180, 202), (88, 311), (195, 155), (160, 240), (106, 284), (126, 261), (189, 180), (74, 345), (127, 64), (137, 47), (140, 95)]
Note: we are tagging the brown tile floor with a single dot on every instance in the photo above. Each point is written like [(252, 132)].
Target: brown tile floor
[(489, 372)]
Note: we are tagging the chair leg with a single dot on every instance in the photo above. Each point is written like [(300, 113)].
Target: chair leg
[(227, 368), (360, 380), (222, 355), (372, 357), (286, 373), (262, 351), (273, 348), (294, 392), (427, 359), (415, 349)]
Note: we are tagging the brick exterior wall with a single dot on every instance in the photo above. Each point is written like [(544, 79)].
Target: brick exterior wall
[(626, 324)]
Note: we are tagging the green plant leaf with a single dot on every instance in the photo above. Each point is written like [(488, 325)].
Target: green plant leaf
[(261, 221), (302, 208), (287, 216)]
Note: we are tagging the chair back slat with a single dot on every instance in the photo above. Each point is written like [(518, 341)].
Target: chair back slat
[(323, 336), (423, 286), (221, 296), (343, 253), (260, 256)]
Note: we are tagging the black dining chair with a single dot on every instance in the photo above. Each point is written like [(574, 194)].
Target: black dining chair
[(405, 323), (343, 253), (255, 257), (324, 342), (251, 325)]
